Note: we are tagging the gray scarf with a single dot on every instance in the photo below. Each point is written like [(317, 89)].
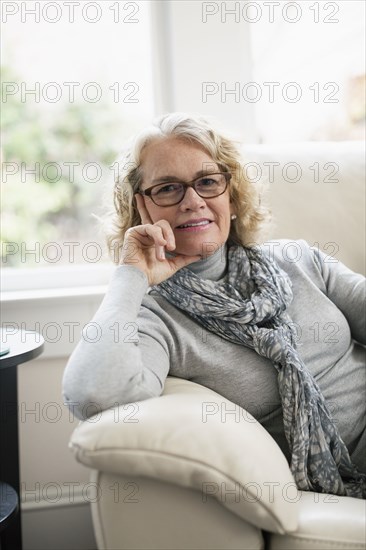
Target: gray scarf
[(249, 308)]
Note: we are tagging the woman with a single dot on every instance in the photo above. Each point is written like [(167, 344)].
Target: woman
[(221, 312)]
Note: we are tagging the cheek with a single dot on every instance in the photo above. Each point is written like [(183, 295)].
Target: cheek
[(152, 209), (156, 213), (224, 211)]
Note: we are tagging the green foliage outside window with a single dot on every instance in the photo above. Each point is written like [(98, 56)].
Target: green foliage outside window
[(56, 203)]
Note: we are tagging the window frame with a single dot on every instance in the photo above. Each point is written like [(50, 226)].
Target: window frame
[(48, 282)]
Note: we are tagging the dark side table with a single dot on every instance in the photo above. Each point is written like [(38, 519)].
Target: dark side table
[(24, 345)]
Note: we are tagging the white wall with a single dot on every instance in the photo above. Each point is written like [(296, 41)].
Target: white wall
[(55, 489), (56, 492)]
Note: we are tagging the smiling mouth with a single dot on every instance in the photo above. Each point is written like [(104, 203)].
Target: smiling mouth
[(197, 224)]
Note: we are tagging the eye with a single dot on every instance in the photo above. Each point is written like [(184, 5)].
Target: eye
[(167, 188), (207, 181)]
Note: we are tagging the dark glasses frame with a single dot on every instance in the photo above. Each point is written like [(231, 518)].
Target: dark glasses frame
[(148, 192)]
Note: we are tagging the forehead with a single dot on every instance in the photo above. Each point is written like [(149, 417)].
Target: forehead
[(174, 157)]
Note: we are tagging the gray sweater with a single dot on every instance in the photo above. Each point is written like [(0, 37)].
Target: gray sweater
[(136, 338)]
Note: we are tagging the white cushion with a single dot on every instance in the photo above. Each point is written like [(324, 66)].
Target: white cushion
[(326, 522), (170, 438), (326, 206)]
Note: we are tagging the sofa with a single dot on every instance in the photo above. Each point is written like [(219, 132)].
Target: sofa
[(190, 469)]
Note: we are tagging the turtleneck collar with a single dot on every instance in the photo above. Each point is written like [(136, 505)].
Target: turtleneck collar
[(212, 267)]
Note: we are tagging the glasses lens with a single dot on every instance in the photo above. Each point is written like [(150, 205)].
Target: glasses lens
[(210, 185), (167, 193)]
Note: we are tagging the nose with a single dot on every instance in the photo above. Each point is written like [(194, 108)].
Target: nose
[(191, 200)]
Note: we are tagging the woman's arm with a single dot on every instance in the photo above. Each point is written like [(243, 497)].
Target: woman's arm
[(123, 353), (347, 290)]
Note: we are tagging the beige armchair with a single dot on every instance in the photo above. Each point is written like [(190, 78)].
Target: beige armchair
[(192, 470)]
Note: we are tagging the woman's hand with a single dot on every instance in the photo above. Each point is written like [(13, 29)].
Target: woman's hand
[(144, 246)]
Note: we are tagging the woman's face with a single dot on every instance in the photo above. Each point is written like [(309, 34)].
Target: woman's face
[(179, 159)]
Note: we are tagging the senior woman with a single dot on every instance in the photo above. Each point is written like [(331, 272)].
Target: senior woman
[(194, 297)]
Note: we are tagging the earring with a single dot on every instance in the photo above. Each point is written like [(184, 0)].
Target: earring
[(233, 217)]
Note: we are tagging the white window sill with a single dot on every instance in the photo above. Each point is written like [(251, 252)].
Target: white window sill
[(56, 302), (55, 278), (52, 295)]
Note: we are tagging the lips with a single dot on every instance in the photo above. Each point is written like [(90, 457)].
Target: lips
[(194, 223)]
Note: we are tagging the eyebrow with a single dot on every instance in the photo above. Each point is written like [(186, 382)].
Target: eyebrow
[(165, 179)]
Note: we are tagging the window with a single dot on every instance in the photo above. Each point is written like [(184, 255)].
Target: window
[(309, 70), (76, 82), (79, 78)]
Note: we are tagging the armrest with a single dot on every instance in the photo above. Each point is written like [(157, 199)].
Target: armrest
[(184, 437)]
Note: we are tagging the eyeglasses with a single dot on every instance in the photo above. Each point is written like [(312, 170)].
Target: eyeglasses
[(171, 193)]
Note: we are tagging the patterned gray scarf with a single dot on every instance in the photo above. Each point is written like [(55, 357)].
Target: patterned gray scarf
[(249, 308)]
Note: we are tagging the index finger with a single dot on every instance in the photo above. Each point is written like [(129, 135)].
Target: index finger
[(144, 215)]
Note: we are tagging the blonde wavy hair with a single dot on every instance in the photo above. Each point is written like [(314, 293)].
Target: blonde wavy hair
[(245, 195)]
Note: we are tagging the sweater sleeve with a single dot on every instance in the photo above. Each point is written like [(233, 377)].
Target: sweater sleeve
[(123, 355), (346, 289)]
